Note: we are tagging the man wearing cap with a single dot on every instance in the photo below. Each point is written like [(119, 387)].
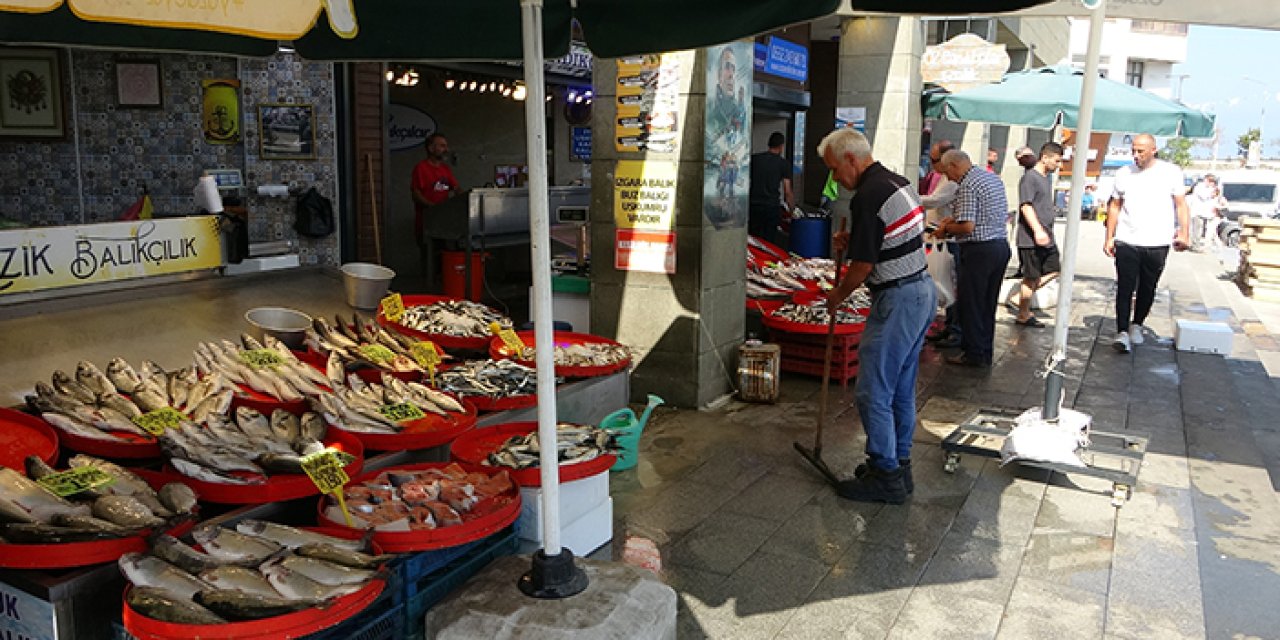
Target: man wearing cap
[(1037, 251)]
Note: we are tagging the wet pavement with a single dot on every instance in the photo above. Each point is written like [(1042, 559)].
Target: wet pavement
[(758, 546)]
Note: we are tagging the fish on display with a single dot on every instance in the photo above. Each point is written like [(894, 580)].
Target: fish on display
[(124, 483), (326, 572), (295, 586), (591, 354), (407, 500), (178, 498), (489, 378), (344, 557), (165, 606), (293, 538), (126, 511), (234, 547), (23, 500), (243, 450), (149, 571), (358, 405), (359, 345), (816, 313), (574, 443), (289, 379), (234, 604), (40, 533), (179, 554), (458, 318), (235, 578)]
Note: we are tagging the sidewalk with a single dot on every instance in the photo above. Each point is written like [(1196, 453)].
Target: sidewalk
[(759, 547)]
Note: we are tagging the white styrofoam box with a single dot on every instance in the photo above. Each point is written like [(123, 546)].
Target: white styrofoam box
[(1204, 337), (582, 536), (574, 308), (577, 498)]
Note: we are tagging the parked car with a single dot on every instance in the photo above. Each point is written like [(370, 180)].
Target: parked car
[(1248, 192)]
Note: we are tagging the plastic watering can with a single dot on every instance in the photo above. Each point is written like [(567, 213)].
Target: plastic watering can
[(626, 429)]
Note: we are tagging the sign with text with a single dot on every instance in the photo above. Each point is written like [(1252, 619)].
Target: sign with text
[(786, 59), (407, 127), (651, 251), (648, 95), (964, 62), (23, 615), (644, 195), (581, 144), (54, 257)]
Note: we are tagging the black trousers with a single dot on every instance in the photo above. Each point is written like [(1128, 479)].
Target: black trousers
[(1138, 270), (982, 266)]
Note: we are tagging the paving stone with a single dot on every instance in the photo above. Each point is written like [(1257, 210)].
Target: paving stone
[(911, 527), (978, 568), (1154, 578), (1040, 610), (820, 530), (1159, 504), (768, 582), (938, 611), (774, 497), (685, 505), (729, 470), (1070, 509), (838, 619), (997, 516), (873, 577), (1076, 560), (722, 542)]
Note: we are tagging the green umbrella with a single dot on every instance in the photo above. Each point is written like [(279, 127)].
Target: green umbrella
[(1050, 96)]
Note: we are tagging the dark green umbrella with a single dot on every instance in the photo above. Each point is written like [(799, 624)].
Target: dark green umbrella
[(1050, 96)]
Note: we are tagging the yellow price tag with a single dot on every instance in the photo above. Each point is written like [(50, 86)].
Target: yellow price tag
[(393, 307), (377, 353), (514, 344), (261, 358), (73, 481), (428, 355), (155, 422), (325, 470), (403, 412)]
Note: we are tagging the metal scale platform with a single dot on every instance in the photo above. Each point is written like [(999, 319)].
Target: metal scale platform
[(1112, 456)]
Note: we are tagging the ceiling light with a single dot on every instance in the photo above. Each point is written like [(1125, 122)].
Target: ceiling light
[(448, 83)]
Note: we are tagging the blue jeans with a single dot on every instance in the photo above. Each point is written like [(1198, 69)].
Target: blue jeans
[(888, 360)]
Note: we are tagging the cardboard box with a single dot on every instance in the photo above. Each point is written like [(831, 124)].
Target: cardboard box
[(577, 498), (583, 536), (1203, 337)]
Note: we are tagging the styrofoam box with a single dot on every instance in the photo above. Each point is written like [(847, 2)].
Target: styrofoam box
[(577, 498), (1203, 337), (582, 536)]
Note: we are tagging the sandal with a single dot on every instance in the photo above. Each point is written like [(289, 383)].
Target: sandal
[(1029, 322)]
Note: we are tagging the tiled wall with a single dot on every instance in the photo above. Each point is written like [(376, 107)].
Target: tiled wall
[(121, 150)]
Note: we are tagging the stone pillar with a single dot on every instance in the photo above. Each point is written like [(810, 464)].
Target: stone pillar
[(685, 327), (880, 71)]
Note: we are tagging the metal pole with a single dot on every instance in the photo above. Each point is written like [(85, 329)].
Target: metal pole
[(1079, 164)]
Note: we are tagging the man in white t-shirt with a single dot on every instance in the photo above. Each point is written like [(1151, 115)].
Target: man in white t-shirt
[(1147, 212)]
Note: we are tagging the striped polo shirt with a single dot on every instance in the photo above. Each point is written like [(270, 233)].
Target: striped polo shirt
[(981, 200), (887, 226)]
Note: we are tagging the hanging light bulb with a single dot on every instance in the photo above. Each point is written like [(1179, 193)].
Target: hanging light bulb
[(448, 83), (483, 88), (391, 75), (506, 92), (519, 93)]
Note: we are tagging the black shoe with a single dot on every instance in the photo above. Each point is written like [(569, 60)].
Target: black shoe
[(965, 361), (905, 465), (875, 485), (951, 342)]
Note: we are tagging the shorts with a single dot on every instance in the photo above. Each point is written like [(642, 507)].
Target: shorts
[(1038, 262)]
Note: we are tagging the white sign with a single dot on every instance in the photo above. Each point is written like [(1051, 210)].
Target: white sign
[(964, 62), (855, 117), (407, 127), (23, 615), (54, 257)]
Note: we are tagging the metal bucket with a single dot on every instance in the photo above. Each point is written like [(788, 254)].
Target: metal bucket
[(366, 284), (286, 325)]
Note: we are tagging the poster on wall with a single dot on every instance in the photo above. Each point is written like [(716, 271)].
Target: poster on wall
[(287, 132), (648, 95), (644, 206), (31, 93), (727, 178), (220, 117), (650, 251), (855, 117)]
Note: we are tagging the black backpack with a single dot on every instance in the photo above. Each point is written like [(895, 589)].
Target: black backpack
[(314, 215)]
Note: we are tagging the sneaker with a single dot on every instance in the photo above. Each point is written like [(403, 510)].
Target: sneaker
[(1121, 343), (905, 465), (876, 485), (1135, 334)]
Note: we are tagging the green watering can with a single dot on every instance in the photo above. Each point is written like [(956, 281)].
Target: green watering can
[(626, 430)]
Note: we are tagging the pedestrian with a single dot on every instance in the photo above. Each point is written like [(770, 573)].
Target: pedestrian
[(886, 252), (979, 227), (939, 202), (993, 160), (1203, 204), (1037, 250), (770, 193), (1089, 202), (1147, 212)]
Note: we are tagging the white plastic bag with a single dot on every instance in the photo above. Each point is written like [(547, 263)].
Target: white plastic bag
[(1044, 298), (1036, 440), (941, 268)]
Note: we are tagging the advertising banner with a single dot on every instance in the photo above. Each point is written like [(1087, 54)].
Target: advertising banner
[(23, 615), (53, 257), (727, 177), (644, 195), (648, 95), (651, 251)]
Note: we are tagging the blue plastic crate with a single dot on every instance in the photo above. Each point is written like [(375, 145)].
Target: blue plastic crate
[(424, 593), (383, 624), (413, 566)]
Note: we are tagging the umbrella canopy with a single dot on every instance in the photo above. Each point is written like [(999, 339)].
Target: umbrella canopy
[(1049, 96)]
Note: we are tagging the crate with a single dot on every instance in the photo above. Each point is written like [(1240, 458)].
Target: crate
[(841, 373), (758, 372), (411, 567), (425, 592)]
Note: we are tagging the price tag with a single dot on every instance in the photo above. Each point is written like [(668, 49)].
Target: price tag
[(427, 355), (73, 481), (325, 470), (403, 412), (155, 422), (262, 358), (514, 344), (393, 307), (377, 353)]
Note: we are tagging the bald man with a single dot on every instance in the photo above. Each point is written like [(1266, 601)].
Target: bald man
[(1147, 212)]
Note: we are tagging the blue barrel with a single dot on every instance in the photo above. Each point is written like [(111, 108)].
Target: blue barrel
[(811, 237)]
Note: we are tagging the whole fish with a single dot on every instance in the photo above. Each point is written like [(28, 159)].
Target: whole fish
[(203, 473), (149, 571), (238, 605), (149, 399), (285, 425), (78, 427), (153, 372), (335, 371), (67, 385), (295, 586), (37, 468), (342, 556), (22, 500), (123, 376), (178, 497), (216, 403), (89, 523), (250, 343), (126, 483), (233, 546), (90, 376), (120, 404), (162, 605), (109, 419), (125, 511), (179, 554), (179, 385), (293, 538), (239, 579), (313, 426), (40, 533), (253, 424), (326, 572)]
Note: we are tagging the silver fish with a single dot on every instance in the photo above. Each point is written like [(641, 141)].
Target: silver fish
[(120, 404), (89, 523), (78, 427), (313, 426), (253, 423), (292, 537), (163, 605), (90, 376), (200, 472), (22, 500), (149, 571), (238, 605), (344, 557), (179, 386), (149, 399), (294, 585), (123, 376), (239, 579), (233, 546), (250, 343), (218, 403), (125, 511), (285, 425), (178, 498), (335, 371), (326, 572), (179, 554), (126, 483), (67, 385)]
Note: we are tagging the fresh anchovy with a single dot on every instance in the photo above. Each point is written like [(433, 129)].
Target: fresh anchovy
[(177, 553), (816, 313), (295, 586), (67, 385), (460, 318), (125, 511), (292, 537), (233, 546), (123, 376), (22, 500), (342, 556), (178, 497), (239, 579), (163, 605), (90, 376), (149, 571), (126, 483)]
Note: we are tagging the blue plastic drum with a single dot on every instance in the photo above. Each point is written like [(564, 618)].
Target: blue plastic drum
[(811, 237)]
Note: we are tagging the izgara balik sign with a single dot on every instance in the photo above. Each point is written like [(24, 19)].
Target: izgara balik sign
[(54, 257)]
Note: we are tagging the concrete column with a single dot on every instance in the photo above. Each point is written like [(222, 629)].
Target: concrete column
[(880, 70), (684, 327)]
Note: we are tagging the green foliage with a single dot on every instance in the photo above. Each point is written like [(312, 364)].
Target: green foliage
[(1243, 142), (1177, 151)]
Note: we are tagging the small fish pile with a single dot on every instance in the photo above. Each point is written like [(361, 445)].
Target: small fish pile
[(457, 318), (767, 280), (126, 506), (102, 406), (359, 344), (816, 313), (268, 367), (372, 408), (590, 354), (409, 500), (244, 450), (574, 443), (489, 378), (257, 570)]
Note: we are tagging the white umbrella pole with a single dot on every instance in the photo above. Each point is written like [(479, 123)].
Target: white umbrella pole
[(554, 574), (1079, 164)]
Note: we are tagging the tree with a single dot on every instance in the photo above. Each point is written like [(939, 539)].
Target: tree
[(1243, 142), (1177, 151)]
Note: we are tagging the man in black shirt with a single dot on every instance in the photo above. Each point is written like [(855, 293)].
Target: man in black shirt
[(770, 187)]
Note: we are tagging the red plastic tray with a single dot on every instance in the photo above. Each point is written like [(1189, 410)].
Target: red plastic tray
[(278, 487), (445, 342), (474, 448), (765, 305), (498, 351), (23, 435), (805, 297), (485, 518), (485, 403), (772, 251), (431, 431)]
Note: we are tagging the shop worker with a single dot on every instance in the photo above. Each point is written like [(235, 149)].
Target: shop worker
[(886, 252), (433, 181), (770, 191)]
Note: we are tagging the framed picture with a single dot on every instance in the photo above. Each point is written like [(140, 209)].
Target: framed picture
[(286, 131), (138, 84), (31, 94)]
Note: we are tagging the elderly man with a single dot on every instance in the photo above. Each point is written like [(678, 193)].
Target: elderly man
[(979, 227), (886, 252)]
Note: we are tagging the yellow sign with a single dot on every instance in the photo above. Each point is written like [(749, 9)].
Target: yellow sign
[(403, 412), (155, 422), (377, 353), (514, 344), (54, 257), (269, 19), (75, 480), (428, 355), (644, 195), (262, 358), (393, 307), (648, 95), (221, 116), (326, 472)]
